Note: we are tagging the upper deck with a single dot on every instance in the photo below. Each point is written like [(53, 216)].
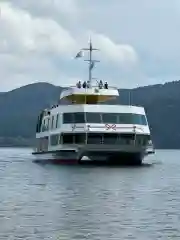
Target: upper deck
[(89, 95)]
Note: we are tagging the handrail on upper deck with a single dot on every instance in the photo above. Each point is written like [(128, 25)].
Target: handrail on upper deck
[(94, 86)]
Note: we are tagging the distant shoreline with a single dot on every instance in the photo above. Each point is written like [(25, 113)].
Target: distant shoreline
[(10, 146), (16, 142)]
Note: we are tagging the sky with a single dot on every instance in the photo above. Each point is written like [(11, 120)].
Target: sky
[(139, 41)]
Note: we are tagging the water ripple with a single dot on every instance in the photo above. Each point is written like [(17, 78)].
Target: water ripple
[(86, 202)]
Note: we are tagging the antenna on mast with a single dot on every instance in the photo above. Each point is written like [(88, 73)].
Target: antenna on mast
[(90, 60)]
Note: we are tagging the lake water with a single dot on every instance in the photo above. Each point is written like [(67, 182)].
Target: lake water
[(89, 202)]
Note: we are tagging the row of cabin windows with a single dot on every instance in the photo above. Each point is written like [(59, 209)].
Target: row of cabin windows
[(89, 117), (111, 118), (97, 138), (50, 123)]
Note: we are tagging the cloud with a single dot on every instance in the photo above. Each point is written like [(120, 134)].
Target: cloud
[(28, 45), (118, 53), (21, 32), (138, 41), (151, 27), (48, 8), (35, 47)]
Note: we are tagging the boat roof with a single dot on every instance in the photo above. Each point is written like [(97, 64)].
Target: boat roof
[(95, 108)]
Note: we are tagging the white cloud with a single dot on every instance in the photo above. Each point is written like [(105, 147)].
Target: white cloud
[(29, 43), (48, 8), (18, 71), (118, 53), (21, 32), (138, 40)]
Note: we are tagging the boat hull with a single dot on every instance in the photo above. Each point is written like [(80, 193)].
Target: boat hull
[(128, 155)]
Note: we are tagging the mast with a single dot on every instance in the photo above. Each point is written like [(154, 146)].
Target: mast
[(90, 60)]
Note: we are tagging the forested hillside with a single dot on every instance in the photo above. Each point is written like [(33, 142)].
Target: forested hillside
[(20, 107)]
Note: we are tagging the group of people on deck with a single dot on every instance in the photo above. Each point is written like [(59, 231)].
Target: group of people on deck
[(88, 84)]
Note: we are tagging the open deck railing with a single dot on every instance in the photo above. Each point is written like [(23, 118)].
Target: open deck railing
[(108, 127), (94, 86)]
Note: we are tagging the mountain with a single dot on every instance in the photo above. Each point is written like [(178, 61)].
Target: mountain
[(20, 108)]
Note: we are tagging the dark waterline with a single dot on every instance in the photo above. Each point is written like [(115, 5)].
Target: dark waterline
[(49, 201)]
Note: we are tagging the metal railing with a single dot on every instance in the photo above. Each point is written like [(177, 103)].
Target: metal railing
[(107, 127), (94, 87)]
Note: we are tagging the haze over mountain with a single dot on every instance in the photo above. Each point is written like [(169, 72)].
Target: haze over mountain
[(20, 108)]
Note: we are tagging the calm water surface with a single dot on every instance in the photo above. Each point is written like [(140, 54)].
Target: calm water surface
[(89, 202)]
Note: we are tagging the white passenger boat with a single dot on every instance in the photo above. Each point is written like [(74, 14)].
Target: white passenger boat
[(80, 128)]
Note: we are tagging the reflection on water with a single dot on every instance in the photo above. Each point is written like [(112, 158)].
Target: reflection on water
[(89, 202)]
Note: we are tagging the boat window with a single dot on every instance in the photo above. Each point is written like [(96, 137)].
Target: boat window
[(127, 136), (48, 124), (67, 138), (93, 117), (54, 139), (129, 118), (125, 118), (43, 126), (143, 139), (80, 138), (68, 118), (110, 138), (94, 138), (79, 117), (143, 120), (139, 119), (77, 138), (136, 119), (109, 117), (57, 119), (52, 122), (39, 127)]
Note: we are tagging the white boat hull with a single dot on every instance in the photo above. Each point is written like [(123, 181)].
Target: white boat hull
[(95, 153)]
